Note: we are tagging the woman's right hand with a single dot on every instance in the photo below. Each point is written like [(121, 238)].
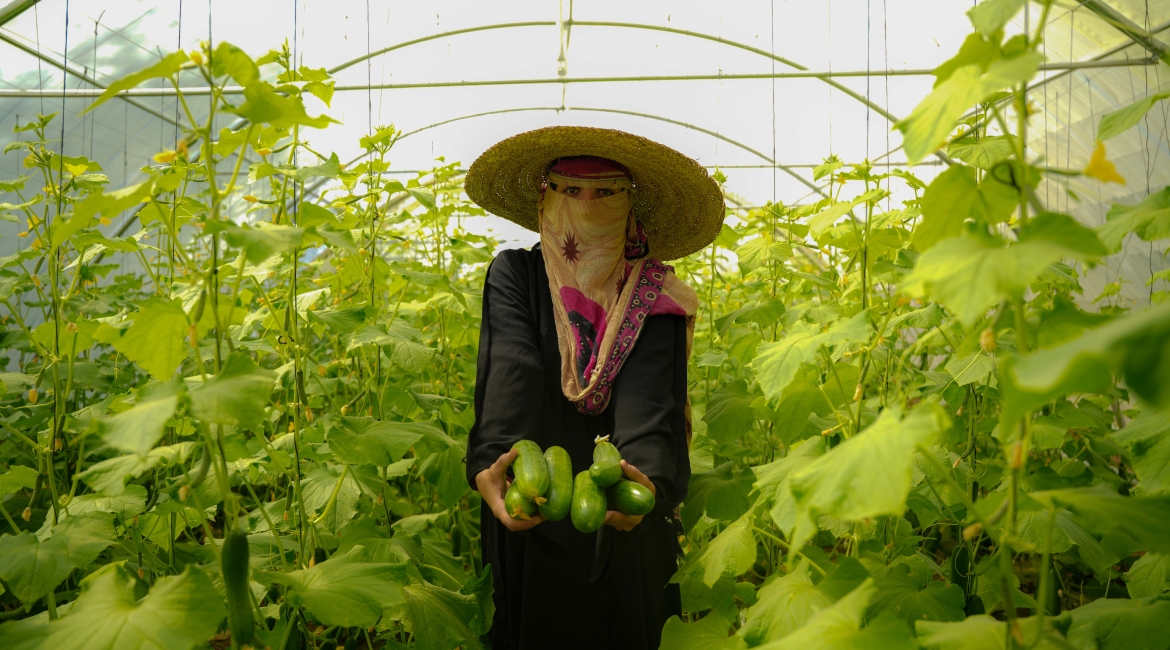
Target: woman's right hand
[(492, 483)]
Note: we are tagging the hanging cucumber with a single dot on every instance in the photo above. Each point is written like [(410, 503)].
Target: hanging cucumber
[(235, 582), (607, 463), (530, 471), (559, 497), (517, 505), (630, 497), (588, 504)]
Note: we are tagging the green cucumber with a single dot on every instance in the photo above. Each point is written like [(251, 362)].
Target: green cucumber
[(518, 505), (234, 563), (607, 463), (588, 504), (630, 497), (530, 471), (560, 484)]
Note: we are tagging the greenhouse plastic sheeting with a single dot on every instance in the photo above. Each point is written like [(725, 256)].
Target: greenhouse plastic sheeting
[(740, 125)]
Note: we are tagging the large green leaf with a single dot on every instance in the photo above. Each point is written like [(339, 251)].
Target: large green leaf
[(984, 153), (732, 552), (344, 590), (954, 197), (1148, 219), (366, 441), (975, 633), (439, 618), (445, 471), (721, 493), (109, 476), (708, 633), (839, 627), (926, 128), (180, 612), (32, 567), (237, 395), (1153, 468), (869, 474), (970, 274), (167, 68), (1134, 345), (263, 105), (1149, 576), (1120, 624), (822, 221), (773, 480), (729, 413), (106, 203), (1114, 123), (231, 60), (912, 599), (784, 605), (156, 340), (990, 16), (1101, 510), (17, 477), (138, 429), (776, 362), (263, 240)]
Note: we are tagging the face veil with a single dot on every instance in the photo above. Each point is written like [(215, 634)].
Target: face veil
[(603, 282)]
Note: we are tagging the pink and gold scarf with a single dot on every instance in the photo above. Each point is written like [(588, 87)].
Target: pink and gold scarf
[(603, 282)]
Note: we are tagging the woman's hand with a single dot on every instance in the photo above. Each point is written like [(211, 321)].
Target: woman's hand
[(620, 520), (492, 483)]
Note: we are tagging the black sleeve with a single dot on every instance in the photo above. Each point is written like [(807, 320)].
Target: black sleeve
[(647, 406), (510, 373)]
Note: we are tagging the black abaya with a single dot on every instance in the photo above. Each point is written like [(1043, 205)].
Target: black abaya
[(554, 586)]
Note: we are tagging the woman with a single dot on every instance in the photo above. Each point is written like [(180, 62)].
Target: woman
[(587, 335)]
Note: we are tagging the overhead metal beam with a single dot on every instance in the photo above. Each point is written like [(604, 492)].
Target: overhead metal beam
[(236, 90), (1135, 32), (14, 9), (648, 116), (682, 32)]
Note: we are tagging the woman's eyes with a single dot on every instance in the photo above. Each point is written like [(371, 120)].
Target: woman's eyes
[(600, 192)]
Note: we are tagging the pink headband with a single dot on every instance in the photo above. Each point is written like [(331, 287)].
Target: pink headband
[(589, 168)]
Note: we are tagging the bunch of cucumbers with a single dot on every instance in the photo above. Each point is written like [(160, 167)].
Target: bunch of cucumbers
[(544, 483)]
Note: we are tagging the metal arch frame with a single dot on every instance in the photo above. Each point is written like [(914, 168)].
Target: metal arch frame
[(648, 116), (590, 23)]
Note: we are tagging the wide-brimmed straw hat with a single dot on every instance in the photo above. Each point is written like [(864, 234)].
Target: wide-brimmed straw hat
[(679, 206)]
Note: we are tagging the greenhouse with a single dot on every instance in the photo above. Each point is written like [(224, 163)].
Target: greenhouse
[(306, 345)]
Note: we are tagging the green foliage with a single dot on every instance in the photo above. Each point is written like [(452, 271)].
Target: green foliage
[(181, 611), (908, 429)]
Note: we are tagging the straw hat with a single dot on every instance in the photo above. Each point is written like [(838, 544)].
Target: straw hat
[(680, 207)]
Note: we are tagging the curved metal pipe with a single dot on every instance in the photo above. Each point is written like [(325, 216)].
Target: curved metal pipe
[(648, 116), (590, 23)]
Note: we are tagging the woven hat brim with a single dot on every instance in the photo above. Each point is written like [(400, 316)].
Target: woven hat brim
[(680, 207)]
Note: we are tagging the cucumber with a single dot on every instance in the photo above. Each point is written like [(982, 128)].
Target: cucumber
[(234, 563), (588, 504), (560, 484), (530, 471), (607, 463), (517, 505), (630, 497)]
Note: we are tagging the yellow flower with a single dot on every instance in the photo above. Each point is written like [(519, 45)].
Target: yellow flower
[(1102, 169), (196, 57), (165, 156)]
